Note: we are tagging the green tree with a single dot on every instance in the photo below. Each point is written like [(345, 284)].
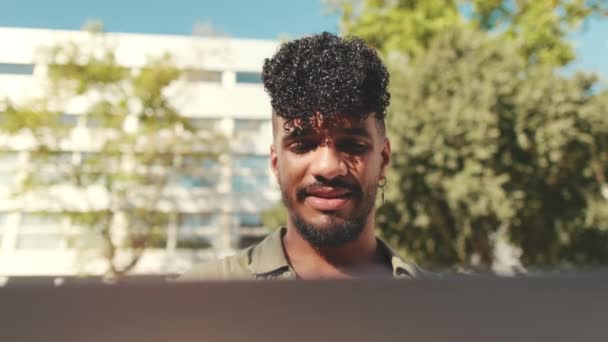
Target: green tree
[(402, 26), (137, 149), (485, 144), (490, 141), (409, 26)]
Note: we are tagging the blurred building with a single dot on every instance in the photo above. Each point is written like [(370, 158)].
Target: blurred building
[(222, 88)]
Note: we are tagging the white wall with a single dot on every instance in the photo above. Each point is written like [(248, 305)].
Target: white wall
[(226, 100)]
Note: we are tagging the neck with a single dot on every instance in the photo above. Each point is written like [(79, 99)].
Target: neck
[(357, 257)]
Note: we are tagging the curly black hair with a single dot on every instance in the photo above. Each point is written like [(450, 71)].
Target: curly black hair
[(327, 74)]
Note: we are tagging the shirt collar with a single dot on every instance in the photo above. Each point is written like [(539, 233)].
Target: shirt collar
[(401, 268), (268, 259)]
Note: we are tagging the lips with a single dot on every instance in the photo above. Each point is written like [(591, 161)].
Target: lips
[(328, 198)]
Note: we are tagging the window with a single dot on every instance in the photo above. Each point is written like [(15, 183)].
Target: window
[(61, 157), (196, 230), (251, 128), (6, 178), (199, 171), (249, 125), (104, 121), (152, 159), (8, 160), (97, 157), (193, 223), (249, 183), (16, 69), (51, 167), (40, 231), (252, 135), (96, 164), (87, 239), (94, 122), (251, 164), (68, 120), (250, 228), (248, 77), (200, 75), (53, 159), (39, 219), (2, 224), (251, 173), (203, 163), (249, 220), (40, 241), (195, 181), (8, 166)]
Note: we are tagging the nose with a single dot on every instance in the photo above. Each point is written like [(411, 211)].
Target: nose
[(328, 163)]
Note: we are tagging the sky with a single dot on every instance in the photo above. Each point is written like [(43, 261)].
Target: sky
[(591, 45), (265, 19), (261, 19)]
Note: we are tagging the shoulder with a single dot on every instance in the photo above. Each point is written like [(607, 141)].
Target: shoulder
[(257, 261), (402, 268), (231, 267)]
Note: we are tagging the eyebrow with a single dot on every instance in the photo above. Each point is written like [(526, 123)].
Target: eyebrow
[(298, 132), (357, 131), (302, 132)]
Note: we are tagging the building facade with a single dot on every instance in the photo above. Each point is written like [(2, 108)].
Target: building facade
[(221, 89)]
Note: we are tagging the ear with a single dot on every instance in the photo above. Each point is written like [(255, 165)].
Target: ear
[(386, 157), (274, 161)]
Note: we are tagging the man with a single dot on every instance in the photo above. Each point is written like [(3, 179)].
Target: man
[(329, 155)]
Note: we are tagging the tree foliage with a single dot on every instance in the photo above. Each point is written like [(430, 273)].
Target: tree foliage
[(137, 147), (485, 144), (490, 140), (409, 26)]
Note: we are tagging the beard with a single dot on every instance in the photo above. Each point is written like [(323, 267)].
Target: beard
[(338, 230)]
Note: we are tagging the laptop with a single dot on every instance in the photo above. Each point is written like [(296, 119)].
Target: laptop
[(566, 308)]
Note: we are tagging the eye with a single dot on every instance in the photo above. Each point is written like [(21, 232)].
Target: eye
[(302, 146), (352, 146)]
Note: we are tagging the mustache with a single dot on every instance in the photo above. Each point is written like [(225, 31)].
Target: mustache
[(337, 183)]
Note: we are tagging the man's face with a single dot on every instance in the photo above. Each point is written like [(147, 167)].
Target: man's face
[(328, 174)]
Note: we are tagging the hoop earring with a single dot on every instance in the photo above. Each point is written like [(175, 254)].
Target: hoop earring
[(381, 185)]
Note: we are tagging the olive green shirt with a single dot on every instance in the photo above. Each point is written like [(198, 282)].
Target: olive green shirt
[(267, 260)]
